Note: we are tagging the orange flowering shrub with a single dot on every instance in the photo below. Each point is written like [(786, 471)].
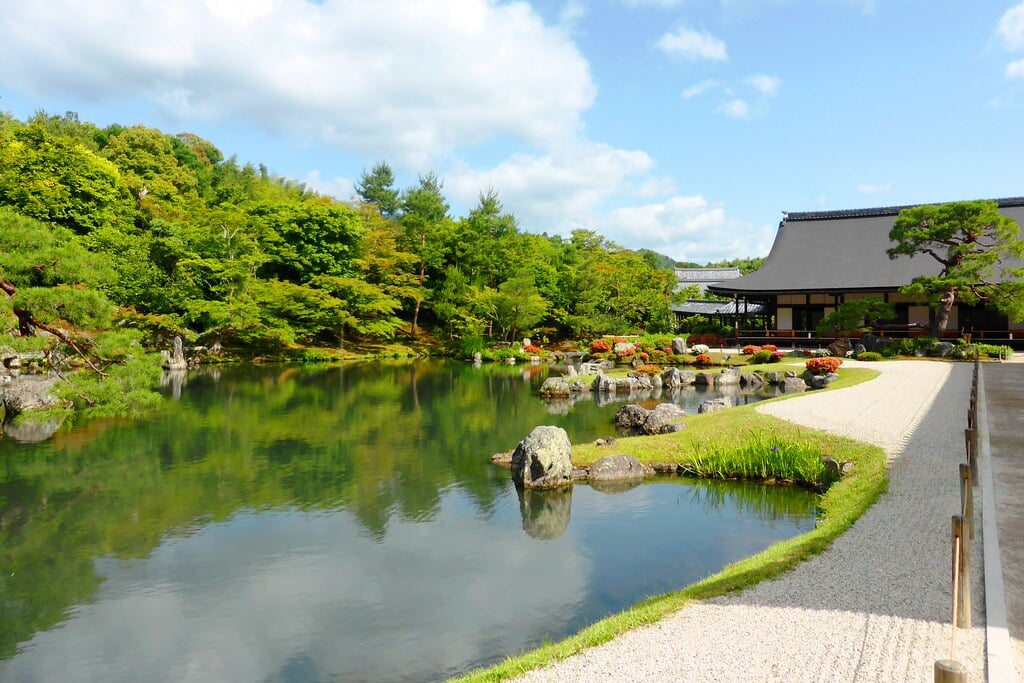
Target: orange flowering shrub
[(600, 346), (825, 365), (769, 347), (703, 359), (750, 349)]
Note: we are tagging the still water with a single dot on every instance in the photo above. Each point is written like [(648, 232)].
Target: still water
[(337, 524)]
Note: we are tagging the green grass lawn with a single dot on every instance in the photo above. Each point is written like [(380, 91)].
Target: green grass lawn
[(839, 507)]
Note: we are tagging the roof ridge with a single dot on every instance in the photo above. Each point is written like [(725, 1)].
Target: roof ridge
[(881, 210)]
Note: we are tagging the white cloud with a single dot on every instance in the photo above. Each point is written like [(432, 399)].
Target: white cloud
[(737, 109), (766, 85), (557, 191), (1015, 70), (874, 188), (337, 187), (572, 12), (687, 229), (692, 45), (664, 4), (1011, 28), (389, 78), (699, 89)]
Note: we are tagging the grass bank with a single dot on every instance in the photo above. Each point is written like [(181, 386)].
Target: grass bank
[(737, 427)]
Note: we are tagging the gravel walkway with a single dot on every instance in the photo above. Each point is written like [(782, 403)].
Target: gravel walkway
[(873, 607)]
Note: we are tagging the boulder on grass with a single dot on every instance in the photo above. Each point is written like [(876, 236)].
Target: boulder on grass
[(664, 419), (793, 385), (543, 459), (631, 418), (556, 386), (679, 346), (619, 468), (714, 405)]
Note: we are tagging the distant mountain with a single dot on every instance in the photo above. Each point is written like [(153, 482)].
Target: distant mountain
[(663, 262)]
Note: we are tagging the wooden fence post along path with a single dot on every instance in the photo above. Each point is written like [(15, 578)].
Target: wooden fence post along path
[(950, 670)]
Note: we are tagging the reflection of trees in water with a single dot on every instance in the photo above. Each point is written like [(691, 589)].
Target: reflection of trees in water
[(373, 440), (545, 513), (766, 501)]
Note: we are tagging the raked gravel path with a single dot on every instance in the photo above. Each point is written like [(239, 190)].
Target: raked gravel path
[(876, 605)]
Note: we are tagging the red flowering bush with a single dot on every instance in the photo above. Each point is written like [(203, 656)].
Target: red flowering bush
[(644, 356), (668, 350), (769, 347), (825, 365), (600, 346), (750, 349), (626, 353), (530, 348), (707, 339), (776, 356), (702, 359)]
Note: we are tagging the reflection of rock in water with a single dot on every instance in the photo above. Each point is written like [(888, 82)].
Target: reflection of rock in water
[(30, 431), (557, 406), (176, 379), (545, 513), (614, 485)]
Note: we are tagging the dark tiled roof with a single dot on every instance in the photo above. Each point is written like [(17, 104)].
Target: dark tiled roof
[(839, 251), (703, 307)]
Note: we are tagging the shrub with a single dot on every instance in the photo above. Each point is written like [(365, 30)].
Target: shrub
[(776, 356), (824, 365), (994, 350), (600, 346), (659, 356), (644, 356), (702, 359), (761, 356), (531, 349), (869, 356), (769, 347), (750, 349), (706, 339), (700, 349), (648, 369)]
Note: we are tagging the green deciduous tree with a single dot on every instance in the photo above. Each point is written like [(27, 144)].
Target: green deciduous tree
[(975, 246)]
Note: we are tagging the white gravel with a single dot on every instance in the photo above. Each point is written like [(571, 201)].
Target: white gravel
[(876, 606)]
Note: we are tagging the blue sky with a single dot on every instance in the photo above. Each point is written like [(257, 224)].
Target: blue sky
[(684, 126)]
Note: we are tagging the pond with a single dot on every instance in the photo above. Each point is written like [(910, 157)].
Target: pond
[(283, 524)]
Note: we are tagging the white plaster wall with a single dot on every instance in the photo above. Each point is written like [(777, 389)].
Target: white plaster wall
[(784, 319)]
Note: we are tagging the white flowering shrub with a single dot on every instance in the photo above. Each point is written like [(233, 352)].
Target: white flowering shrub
[(699, 348)]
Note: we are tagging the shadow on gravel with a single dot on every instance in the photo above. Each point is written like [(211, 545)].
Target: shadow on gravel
[(895, 560)]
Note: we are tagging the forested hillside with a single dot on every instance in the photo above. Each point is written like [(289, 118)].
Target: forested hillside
[(132, 228)]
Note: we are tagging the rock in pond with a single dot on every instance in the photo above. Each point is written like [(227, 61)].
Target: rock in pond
[(619, 468), (543, 459)]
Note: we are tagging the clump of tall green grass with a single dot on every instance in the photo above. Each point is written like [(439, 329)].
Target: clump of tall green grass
[(761, 458)]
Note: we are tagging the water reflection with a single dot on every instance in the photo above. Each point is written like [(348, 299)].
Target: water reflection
[(545, 513), (331, 523)]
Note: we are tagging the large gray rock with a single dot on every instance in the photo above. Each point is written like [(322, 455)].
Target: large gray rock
[(664, 419), (714, 405), (619, 468), (556, 386), (176, 360), (793, 385), (679, 346), (773, 377), (543, 459), (30, 394), (674, 377), (751, 379), (706, 379), (631, 418), (943, 349), (727, 377)]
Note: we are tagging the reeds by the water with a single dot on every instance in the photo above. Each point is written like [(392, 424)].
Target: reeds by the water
[(762, 458)]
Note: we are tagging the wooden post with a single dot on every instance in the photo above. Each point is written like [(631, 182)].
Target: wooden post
[(948, 671), (967, 498), (971, 446), (972, 417), (961, 574)]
